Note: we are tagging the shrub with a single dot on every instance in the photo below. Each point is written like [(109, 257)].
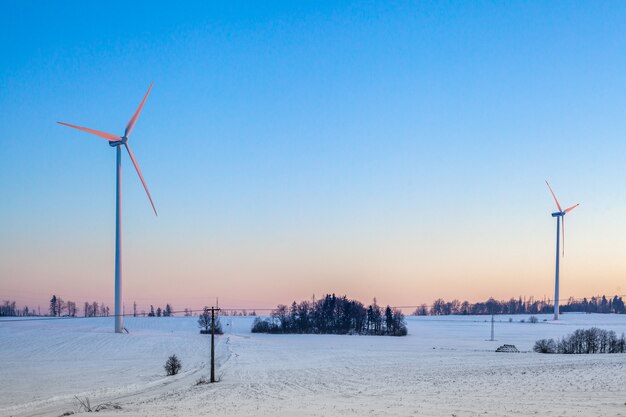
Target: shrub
[(260, 326), (85, 405), (533, 319), (264, 326), (202, 380), (545, 346), (173, 365), (402, 331)]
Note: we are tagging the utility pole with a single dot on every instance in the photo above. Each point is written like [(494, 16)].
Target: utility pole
[(492, 320), (213, 343)]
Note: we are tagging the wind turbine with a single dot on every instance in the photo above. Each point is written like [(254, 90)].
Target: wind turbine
[(560, 224), (117, 142)]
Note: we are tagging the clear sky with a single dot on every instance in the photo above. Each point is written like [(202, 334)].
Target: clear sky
[(395, 151)]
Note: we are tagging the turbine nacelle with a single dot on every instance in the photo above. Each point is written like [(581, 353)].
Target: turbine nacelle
[(116, 141), (120, 142), (560, 213)]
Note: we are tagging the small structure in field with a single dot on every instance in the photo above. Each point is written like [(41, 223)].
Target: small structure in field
[(507, 349)]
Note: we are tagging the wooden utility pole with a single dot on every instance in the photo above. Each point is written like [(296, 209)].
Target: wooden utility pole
[(213, 343)]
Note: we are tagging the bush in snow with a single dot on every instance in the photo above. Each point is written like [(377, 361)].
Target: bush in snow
[(202, 380), (85, 405), (533, 319), (265, 326), (545, 346), (173, 365)]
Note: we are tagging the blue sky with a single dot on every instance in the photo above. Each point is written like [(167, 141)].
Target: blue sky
[(292, 148)]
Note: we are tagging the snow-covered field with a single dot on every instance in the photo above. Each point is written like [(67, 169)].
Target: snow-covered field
[(444, 367)]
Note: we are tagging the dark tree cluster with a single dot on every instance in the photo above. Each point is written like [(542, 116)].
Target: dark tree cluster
[(441, 307), (59, 308), (595, 305), (242, 313), (333, 315), (584, 341), (9, 308), (94, 309), (205, 323), (166, 312)]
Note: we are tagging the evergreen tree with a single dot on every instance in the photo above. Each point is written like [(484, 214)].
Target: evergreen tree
[(168, 310), (54, 309), (388, 320)]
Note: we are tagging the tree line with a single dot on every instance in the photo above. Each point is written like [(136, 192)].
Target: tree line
[(59, 308), (597, 304), (168, 311), (584, 341), (440, 307), (9, 308), (333, 315)]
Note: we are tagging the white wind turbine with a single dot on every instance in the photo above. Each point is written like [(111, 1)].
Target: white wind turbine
[(560, 224), (117, 142)]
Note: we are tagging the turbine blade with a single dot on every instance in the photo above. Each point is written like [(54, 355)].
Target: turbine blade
[(133, 120), (132, 157), (557, 201), (567, 210), (104, 135)]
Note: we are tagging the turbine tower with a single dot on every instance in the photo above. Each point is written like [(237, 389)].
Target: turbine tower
[(117, 142), (560, 224)]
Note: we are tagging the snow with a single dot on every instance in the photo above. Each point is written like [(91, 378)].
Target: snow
[(444, 367)]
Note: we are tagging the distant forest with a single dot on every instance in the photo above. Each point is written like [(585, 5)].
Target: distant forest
[(333, 315), (522, 306), (597, 304), (58, 307)]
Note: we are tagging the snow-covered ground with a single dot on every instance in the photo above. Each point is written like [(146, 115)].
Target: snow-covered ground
[(444, 367)]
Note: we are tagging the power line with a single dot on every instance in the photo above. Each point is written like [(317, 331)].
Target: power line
[(39, 318)]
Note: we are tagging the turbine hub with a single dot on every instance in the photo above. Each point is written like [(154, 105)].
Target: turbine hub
[(122, 141)]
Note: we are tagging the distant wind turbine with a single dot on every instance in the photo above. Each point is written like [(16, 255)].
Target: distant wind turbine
[(117, 142), (559, 214)]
